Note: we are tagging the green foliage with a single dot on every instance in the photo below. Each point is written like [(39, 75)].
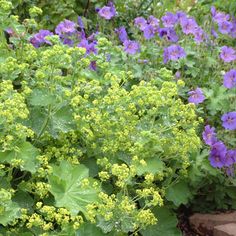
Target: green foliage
[(71, 187)]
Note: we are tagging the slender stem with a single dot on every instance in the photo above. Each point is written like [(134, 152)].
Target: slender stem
[(45, 123)]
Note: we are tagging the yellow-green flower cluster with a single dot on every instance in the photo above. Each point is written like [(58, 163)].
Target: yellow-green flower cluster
[(47, 217), (13, 109)]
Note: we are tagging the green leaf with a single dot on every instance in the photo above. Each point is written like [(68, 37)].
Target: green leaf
[(178, 193), (9, 214), (41, 97), (26, 152), (66, 187), (166, 225), (153, 166), (88, 229)]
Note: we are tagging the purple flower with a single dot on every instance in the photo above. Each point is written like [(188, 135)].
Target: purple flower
[(227, 54), (230, 79), (225, 27), (107, 12), (140, 22), (230, 171), (142, 61), (168, 33), (209, 135), (93, 66), (149, 32), (173, 52), (169, 19), (177, 74), (122, 34), (213, 32), (67, 41), (229, 120), (218, 154), (233, 30), (230, 157), (80, 22), (219, 16), (181, 15), (65, 27), (199, 35), (153, 21), (196, 96), (90, 47), (38, 39), (188, 25), (131, 47)]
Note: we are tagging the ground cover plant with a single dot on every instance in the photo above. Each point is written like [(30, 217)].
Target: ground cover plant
[(109, 123)]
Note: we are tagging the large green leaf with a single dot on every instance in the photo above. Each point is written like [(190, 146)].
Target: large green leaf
[(41, 97), (67, 189), (166, 225), (9, 214), (178, 193), (88, 229), (153, 166), (59, 119), (26, 152)]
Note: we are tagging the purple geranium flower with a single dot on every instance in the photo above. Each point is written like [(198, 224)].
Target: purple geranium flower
[(188, 25), (219, 16), (225, 27), (181, 15), (65, 27), (209, 135), (199, 35), (107, 12), (38, 39), (230, 157), (173, 52), (227, 54), (218, 154), (140, 22), (168, 33), (196, 96), (90, 47), (229, 120), (169, 19), (153, 21), (131, 47), (122, 34), (148, 32), (230, 79)]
